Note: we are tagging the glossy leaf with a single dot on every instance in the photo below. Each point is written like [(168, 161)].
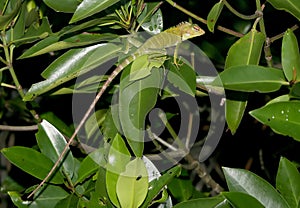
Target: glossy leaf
[(34, 32), (69, 201), (48, 198), (70, 65), (90, 7), (239, 180), (181, 189), (91, 164), (291, 6), (183, 78), (250, 78), (239, 199), (32, 162), (132, 185), (282, 117), (57, 123), (67, 6), (295, 91), (6, 19), (290, 56), (247, 50), (136, 99), (51, 143), (288, 182), (213, 15), (158, 183), (55, 43), (203, 203), (151, 18), (118, 158)]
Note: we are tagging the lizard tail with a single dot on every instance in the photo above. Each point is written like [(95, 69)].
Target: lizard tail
[(111, 77)]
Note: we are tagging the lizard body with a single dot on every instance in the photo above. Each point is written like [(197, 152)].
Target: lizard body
[(168, 38)]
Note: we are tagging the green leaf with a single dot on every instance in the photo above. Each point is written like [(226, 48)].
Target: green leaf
[(140, 68), (90, 7), (290, 6), (132, 185), (213, 15), (34, 32), (239, 199), (184, 77), (69, 201), (247, 50), (239, 180), (290, 56), (151, 18), (57, 123), (6, 19), (48, 198), (203, 203), (72, 64), (295, 91), (181, 188), (157, 184), (55, 43), (51, 143), (32, 162), (136, 99), (118, 158), (91, 164), (250, 78), (282, 117), (288, 182), (66, 6)]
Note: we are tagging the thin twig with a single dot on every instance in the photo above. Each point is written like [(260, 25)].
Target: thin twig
[(221, 28), (18, 128), (242, 16)]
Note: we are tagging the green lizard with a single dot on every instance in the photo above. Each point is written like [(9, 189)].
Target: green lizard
[(168, 38)]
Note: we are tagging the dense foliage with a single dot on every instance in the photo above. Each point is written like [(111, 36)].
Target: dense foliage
[(153, 137)]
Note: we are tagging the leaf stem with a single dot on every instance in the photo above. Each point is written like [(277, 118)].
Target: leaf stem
[(8, 51), (221, 28), (267, 49), (242, 16)]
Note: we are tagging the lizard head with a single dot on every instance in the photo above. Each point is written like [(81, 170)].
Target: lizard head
[(189, 30)]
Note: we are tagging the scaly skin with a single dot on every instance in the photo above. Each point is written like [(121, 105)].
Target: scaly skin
[(168, 38)]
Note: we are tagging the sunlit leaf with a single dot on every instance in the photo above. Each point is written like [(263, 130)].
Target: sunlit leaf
[(51, 143), (132, 185), (118, 158), (70, 65)]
